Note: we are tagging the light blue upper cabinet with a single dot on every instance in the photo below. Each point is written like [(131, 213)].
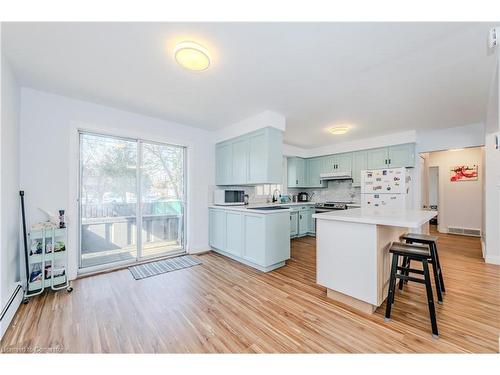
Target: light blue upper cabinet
[(327, 164), (392, 156), (343, 162), (296, 172), (257, 168), (254, 158), (359, 163), (224, 164), (401, 155), (240, 162), (314, 167), (377, 158)]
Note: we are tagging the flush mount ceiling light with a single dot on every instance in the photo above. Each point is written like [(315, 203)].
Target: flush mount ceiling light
[(339, 130), (192, 56)]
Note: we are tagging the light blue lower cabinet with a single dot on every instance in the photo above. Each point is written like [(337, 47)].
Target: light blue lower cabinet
[(301, 221), (261, 241), (294, 223), (234, 237), (312, 222), (254, 239), (217, 229)]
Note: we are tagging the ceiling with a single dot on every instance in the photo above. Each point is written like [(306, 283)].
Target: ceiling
[(379, 77)]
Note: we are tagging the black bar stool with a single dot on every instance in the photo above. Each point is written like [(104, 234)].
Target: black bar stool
[(431, 241), (416, 253)]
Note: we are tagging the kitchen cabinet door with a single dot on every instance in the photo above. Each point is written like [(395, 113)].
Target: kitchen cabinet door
[(217, 222), (254, 248), (303, 222), (234, 233), (224, 165), (240, 161), (377, 158), (296, 171), (327, 165), (402, 155), (257, 157), (313, 172), (294, 223), (312, 221), (359, 163), (343, 162)]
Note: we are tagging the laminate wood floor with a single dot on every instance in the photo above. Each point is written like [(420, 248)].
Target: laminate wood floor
[(225, 307)]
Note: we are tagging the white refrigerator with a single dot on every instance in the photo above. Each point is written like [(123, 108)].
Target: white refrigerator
[(389, 188)]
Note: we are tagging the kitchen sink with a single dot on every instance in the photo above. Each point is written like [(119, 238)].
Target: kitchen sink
[(271, 208)]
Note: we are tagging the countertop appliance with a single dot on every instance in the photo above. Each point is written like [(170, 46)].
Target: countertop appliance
[(303, 197), (229, 197), (386, 188)]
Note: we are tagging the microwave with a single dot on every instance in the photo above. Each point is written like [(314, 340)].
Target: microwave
[(226, 197)]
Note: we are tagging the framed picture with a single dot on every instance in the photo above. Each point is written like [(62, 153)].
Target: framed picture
[(463, 173)]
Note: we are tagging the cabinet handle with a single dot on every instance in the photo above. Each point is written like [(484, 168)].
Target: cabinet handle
[(296, 182), (389, 161), (301, 216), (385, 161)]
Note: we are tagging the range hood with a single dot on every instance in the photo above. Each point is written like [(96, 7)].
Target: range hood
[(335, 176)]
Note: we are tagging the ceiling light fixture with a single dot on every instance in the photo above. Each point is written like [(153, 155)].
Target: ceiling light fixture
[(456, 149), (339, 130), (192, 56)]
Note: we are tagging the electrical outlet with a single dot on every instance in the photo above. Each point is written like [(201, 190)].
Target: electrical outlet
[(493, 37)]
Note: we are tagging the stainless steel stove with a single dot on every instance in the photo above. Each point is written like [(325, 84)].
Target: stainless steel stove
[(331, 206)]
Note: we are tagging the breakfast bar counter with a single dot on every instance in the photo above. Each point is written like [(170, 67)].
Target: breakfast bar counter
[(352, 256)]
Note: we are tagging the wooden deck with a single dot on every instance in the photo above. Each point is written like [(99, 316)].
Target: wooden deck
[(223, 306)]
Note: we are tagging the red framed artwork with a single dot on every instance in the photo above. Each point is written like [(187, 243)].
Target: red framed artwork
[(463, 173)]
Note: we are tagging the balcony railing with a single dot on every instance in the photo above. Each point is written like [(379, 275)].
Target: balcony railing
[(112, 229)]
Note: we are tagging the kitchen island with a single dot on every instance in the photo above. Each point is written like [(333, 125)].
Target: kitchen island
[(352, 251)]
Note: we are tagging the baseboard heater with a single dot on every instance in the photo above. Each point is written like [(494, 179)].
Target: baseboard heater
[(465, 231), (11, 299)]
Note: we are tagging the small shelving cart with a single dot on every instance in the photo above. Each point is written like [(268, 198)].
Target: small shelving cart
[(47, 261)]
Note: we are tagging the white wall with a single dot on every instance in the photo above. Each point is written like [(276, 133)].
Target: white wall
[(9, 192), (471, 135), (460, 203), (260, 120), (433, 186), (492, 185), (49, 125)]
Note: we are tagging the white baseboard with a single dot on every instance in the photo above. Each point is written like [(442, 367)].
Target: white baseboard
[(492, 259), (199, 249), (11, 311)]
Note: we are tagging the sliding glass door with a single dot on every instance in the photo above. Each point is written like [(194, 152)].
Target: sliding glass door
[(131, 200), (162, 198)]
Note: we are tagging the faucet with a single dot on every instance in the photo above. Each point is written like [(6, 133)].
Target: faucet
[(275, 199)]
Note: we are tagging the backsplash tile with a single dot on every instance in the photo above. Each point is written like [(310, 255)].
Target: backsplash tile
[(337, 191)]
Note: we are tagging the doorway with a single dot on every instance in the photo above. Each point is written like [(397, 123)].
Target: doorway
[(131, 200)]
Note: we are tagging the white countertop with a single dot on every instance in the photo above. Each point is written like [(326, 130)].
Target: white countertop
[(251, 209), (393, 217)]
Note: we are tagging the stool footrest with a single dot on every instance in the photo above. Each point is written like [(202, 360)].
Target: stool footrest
[(412, 270), (410, 278)]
